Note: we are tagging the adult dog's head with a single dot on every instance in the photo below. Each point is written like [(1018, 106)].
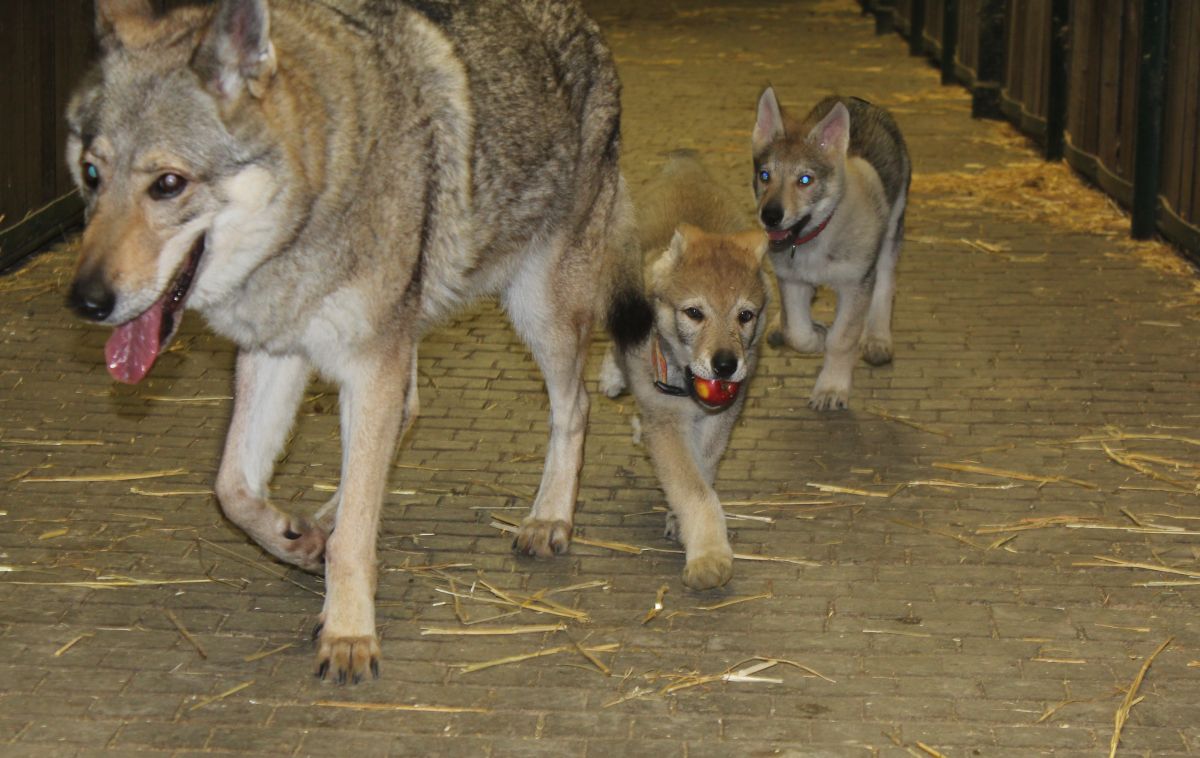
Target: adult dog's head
[(167, 147)]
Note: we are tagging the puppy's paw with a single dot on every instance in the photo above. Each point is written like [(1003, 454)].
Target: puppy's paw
[(611, 381), (346, 660), (543, 539), (877, 351), (708, 570), (829, 398), (811, 341)]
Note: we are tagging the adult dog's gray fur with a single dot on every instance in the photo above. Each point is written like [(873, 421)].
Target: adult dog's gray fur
[(325, 180)]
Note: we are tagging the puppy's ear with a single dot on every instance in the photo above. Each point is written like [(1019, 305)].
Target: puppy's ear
[(236, 54), (769, 126), (661, 268), (832, 134), (122, 23)]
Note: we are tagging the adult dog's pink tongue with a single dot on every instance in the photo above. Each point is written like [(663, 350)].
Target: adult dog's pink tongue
[(776, 236), (134, 345)]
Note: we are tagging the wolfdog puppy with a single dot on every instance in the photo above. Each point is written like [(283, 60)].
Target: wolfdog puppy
[(708, 292), (831, 192), (325, 181)]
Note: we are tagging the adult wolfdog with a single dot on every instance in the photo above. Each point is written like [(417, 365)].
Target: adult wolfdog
[(325, 180)]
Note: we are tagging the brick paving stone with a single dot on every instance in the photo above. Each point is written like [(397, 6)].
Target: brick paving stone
[(933, 616)]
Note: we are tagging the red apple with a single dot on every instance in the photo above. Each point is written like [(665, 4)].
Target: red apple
[(715, 393)]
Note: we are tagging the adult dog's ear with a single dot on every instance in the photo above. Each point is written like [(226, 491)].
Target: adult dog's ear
[(121, 23), (236, 54)]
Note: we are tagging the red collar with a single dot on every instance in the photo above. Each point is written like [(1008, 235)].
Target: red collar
[(811, 235)]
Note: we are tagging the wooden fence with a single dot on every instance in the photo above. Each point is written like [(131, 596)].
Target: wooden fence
[(1112, 86), (1092, 80), (46, 47)]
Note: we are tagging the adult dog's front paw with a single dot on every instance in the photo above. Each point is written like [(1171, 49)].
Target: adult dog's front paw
[(877, 351), (543, 539), (346, 660), (708, 570)]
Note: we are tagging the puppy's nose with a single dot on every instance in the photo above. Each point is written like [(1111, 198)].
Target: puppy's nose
[(724, 364), (771, 215), (91, 298)]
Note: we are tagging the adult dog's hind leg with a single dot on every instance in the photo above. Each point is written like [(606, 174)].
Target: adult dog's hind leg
[(378, 402), (267, 394), (554, 318)]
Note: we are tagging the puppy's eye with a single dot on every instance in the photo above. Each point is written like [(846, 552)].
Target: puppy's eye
[(805, 180), (745, 317), (694, 313), (91, 176), (764, 176), (167, 186)]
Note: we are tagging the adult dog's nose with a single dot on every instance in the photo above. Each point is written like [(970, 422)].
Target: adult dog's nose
[(91, 298)]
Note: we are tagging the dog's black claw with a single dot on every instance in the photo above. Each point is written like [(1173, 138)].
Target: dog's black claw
[(375, 668), (322, 670), (289, 534), (316, 632)]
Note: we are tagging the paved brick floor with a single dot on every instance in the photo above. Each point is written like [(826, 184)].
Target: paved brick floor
[(987, 615)]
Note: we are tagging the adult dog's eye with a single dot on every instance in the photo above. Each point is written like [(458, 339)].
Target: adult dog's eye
[(91, 176), (694, 313), (746, 317), (764, 176), (805, 179), (167, 186)]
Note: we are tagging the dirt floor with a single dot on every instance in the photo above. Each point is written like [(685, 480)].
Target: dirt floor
[(995, 552)]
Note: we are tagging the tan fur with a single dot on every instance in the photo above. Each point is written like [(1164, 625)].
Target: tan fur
[(722, 276)]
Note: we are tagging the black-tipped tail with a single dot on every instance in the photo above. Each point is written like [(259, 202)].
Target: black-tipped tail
[(630, 317)]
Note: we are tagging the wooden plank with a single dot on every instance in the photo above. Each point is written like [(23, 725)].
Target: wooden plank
[(1127, 108), (19, 102), (1082, 55), (968, 34), (1177, 78), (1110, 82), (1037, 48), (1189, 207)]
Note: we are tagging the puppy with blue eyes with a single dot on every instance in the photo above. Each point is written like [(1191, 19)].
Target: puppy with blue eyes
[(706, 292), (831, 190)]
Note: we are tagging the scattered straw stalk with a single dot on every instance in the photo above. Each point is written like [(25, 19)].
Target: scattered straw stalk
[(1122, 713)]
